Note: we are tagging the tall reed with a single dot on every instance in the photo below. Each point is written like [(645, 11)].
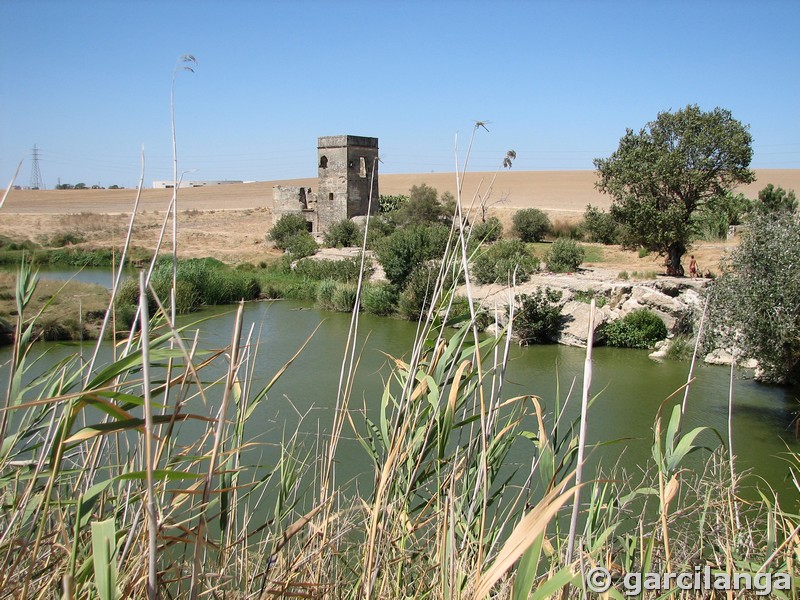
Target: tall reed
[(107, 494)]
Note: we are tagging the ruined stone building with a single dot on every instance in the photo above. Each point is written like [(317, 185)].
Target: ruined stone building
[(345, 165)]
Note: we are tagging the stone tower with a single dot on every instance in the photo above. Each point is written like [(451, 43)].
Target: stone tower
[(345, 176)]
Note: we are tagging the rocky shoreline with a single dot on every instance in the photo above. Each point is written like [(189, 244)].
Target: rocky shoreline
[(678, 301)]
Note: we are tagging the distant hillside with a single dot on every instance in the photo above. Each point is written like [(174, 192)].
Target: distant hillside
[(557, 191)]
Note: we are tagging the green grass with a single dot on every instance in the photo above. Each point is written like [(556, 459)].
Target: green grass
[(70, 310), (593, 254)]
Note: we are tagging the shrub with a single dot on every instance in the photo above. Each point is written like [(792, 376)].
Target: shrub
[(416, 297), (538, 316), (53, 330), (65, 238), (641, 328), (531, 225), (124, 315), (7, 243), (379, 228), (487, 231), (772, 200), (344, 297), (497, 263), (680, 348), (599, 226), (423, 207), (299, 289), (755, 305), (285, 228), (128, 292), (200, 281), (325, 292), (587, 297), (565, 255), (567, 229), (78, 257), (300, 245), (388, 204), (712, 221), (408, 248), (343, 234), (226, 286), (339, 270), (379, 299)]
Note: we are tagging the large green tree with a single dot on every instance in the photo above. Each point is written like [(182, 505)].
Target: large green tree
[(661, 175), (754, 307)]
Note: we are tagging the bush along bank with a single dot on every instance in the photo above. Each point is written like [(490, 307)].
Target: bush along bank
[(199, 282), (410, 259)]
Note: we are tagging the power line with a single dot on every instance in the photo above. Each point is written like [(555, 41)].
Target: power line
[(36, 174)]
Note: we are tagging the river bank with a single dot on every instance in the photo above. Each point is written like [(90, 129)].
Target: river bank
[(70, 310), (676, 300)]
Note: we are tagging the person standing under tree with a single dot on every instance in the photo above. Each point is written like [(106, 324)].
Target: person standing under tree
[(692, 267)]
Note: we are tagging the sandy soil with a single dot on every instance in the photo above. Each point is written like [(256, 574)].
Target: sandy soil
[(230, 221)]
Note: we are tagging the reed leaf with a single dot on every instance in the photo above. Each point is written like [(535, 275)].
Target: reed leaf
[(104, 543)]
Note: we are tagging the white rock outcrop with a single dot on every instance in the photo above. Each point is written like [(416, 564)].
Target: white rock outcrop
[(676, 301)]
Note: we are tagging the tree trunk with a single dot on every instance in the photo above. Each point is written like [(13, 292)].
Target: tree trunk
[(674, 253)]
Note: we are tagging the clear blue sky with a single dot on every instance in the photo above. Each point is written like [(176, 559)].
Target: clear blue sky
[(88, 82)]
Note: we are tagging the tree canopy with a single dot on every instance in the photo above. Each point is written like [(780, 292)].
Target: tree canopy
[(661, 175), (754, 307), (424, 206), (772, 199)]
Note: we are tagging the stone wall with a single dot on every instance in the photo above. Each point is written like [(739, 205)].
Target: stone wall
[(295, 200), (345, 165)]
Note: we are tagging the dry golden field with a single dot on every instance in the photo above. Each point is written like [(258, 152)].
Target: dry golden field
[(229, 221)]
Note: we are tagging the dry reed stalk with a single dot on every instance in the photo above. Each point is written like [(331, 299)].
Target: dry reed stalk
[(525, 533), (662, 494), (694, 356), (150, 269), (152, 523), (587, 384), (11, 184), (346, 378), (186, 58), (118, 277), (233, 368), (478, 361), (734, 506)]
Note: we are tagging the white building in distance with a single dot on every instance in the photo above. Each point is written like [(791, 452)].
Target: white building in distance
[(191, 184)]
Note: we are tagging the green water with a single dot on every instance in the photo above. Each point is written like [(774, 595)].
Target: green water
[(630, 386), (97, 275)]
